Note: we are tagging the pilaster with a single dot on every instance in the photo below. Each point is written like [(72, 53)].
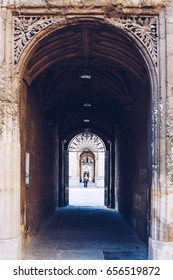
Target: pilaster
[(161, 241), (9, 161)]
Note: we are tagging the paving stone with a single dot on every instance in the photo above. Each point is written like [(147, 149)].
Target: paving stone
[(86, 233), (116, 255), (81, 255), (71, 246)]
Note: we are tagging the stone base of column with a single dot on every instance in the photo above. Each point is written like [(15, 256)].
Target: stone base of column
[(160, 250), (10, 249)]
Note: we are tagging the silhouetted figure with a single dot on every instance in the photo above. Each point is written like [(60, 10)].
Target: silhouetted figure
[(85, 181)]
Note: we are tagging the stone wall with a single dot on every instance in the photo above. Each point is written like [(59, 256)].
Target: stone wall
[(140, 154), (169, 121), (134, 165), (37, 140), (84, 3), (9, 150)]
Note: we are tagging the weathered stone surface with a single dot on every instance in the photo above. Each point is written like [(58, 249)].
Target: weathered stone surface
[(160, 250), (10, 249), (1, 40), (78, 3)]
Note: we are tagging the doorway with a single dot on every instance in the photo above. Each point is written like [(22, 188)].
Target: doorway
[(86, 159)]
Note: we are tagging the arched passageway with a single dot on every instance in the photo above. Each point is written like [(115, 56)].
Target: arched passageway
[(86, 78), (87, 153), (86, 160)]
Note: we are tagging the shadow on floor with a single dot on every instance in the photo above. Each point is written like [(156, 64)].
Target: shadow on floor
[(78, 233)]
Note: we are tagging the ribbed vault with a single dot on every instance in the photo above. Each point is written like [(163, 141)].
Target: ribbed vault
[(85, 76)]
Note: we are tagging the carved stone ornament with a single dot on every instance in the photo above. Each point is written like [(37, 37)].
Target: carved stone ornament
[(25, 28), (144, 28), (9, 122)]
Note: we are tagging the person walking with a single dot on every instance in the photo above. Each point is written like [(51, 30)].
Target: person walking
[(85, 181)]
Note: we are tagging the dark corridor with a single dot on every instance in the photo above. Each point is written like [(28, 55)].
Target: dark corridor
[(87, 77)]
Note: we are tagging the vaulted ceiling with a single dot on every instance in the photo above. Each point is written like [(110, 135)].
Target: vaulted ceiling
[(85, 76)]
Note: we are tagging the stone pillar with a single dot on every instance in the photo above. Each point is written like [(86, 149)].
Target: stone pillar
[(169, 123), (9, 184), (161, 241), (9, 163)]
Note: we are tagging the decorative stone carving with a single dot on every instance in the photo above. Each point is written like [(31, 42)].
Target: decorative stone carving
[(25, 28), (12, 121), (144, 28), (9, 122)]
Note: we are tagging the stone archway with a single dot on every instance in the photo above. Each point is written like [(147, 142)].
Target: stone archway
[(124, 103), (86, 147), (143, 31), (87, 166)]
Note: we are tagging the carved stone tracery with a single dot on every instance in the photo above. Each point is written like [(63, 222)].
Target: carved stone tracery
[(25, 28), (144, 28)]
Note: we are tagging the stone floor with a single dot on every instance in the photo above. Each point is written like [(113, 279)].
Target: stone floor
[(86, 232)]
